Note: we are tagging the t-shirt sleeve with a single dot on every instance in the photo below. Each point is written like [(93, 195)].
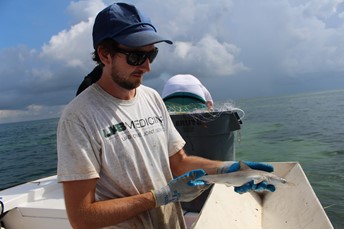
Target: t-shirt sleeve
[(175, 140), (77, 159)]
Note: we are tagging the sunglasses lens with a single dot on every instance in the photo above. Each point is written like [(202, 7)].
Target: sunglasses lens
[(138, 58), (152, 55)]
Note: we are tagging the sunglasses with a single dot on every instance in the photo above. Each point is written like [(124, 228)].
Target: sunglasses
[(136, 58)]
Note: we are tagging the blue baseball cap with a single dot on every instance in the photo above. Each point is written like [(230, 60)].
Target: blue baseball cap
[(126, 25)]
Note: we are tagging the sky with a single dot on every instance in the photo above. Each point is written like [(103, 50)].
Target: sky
[(237, 48)]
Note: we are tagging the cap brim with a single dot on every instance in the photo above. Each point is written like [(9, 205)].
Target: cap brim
[(140, 39)]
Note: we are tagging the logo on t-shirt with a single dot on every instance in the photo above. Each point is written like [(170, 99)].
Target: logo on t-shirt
[(134, 124)]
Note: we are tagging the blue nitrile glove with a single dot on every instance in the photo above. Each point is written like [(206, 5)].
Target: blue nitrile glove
[(182, 188), (229, 167)]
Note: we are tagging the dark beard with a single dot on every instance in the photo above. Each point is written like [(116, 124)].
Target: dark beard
[(124, 82)]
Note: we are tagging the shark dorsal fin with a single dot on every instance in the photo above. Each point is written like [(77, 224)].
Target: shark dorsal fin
[(243, 166)]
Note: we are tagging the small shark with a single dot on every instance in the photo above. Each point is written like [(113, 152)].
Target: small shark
[(244, 175)]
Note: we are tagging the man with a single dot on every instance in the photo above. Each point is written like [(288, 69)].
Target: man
[(118, 150)]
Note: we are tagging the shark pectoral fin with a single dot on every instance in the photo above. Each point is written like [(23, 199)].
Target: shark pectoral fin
[(257, 179)]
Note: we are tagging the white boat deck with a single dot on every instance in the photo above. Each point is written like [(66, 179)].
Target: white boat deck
[(39, 204), (293, 205)]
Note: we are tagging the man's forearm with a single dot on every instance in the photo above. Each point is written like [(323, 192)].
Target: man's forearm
[(111, 212), (84, 212)]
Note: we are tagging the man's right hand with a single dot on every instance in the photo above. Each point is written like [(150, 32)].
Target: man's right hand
[(183, 188)]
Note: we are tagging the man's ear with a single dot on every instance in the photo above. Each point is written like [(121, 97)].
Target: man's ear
[(104, 55)]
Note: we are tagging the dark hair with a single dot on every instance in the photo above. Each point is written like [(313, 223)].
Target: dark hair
[(108, 45), (91, 78)]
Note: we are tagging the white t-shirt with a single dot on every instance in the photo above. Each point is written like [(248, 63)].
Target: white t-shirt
[(124, 143), (186, 83)]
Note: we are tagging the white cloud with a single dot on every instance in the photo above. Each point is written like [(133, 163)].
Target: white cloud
[(211, 56), (83, 10), (182, 49), (313, 45), (73, 46)]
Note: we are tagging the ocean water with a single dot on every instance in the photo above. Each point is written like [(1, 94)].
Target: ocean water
[(27, 151), (308, 128)]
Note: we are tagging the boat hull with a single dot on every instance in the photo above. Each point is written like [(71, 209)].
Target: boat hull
[(38, 204)]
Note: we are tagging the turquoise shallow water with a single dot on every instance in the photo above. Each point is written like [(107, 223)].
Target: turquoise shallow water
[(308, 128)]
